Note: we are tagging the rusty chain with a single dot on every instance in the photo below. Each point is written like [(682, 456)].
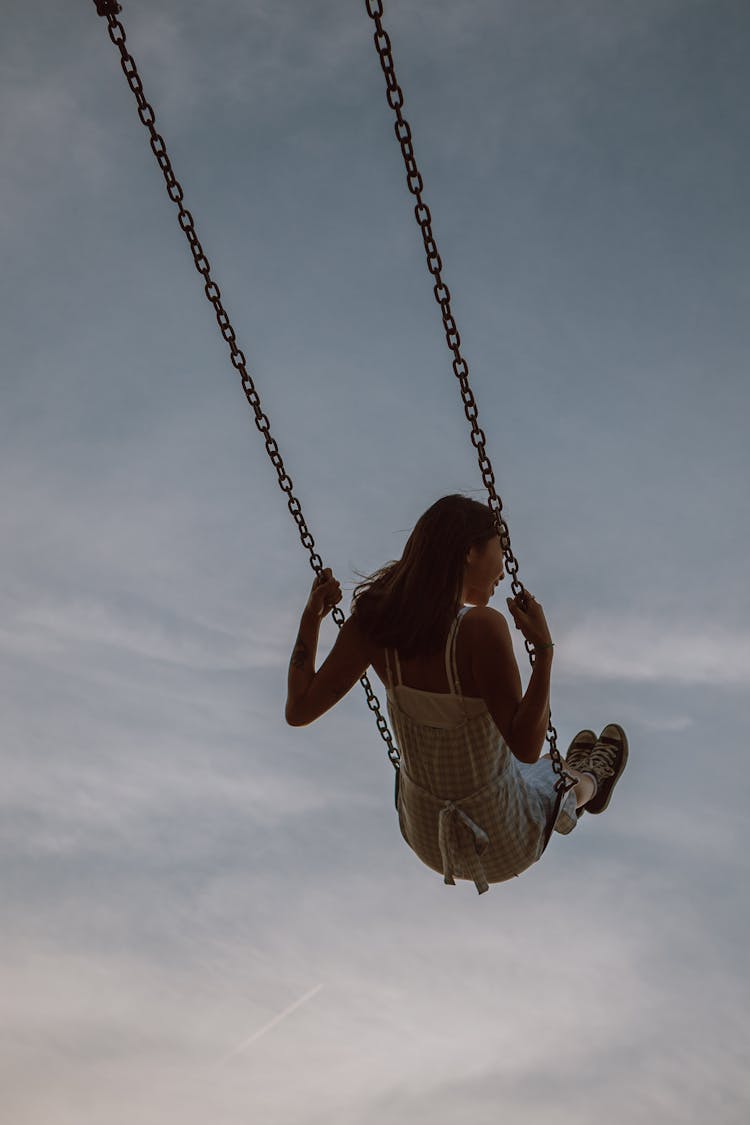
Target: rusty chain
[(109, 10), (423, 215)]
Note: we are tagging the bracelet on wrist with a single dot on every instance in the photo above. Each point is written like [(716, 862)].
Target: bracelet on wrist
[(537, 647)]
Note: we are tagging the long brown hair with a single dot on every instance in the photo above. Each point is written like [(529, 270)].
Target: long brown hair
[(409, 604)]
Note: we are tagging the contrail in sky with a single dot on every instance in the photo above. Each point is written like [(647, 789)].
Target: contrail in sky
[(271, 1024)]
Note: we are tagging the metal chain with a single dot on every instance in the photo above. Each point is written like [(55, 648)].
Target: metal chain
[(423, 215), (109, 9)]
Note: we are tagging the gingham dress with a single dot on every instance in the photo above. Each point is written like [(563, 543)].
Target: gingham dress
[(466, 806)]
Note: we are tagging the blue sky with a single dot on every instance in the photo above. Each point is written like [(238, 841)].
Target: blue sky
[(208, 915)]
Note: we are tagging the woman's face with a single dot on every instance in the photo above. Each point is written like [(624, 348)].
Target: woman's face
[(482, 571)]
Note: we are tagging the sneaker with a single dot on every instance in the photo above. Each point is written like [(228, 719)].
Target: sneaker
[(606, 759), (580, 747), (578, 754)]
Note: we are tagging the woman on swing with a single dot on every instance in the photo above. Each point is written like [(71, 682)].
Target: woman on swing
[(475, 799)]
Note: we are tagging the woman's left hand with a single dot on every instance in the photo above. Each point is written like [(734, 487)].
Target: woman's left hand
[(325, 594)]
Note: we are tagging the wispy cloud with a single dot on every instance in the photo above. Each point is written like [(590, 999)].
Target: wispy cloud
[(640, 649), (47, 124), (147, 632), (247, 1043)]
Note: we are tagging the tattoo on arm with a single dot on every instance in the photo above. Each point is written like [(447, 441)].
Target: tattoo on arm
[(300, 654)]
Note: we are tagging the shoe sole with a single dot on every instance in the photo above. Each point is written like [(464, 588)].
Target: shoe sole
[(603, 796)]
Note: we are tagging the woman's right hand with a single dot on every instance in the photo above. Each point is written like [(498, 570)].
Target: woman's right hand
[(531, 620), (324, 595)]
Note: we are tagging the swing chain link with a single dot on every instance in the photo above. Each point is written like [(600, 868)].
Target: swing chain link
[(423, 216), (109, 9)]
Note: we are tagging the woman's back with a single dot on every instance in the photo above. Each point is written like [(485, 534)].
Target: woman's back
[(449, 742), (484, 666)]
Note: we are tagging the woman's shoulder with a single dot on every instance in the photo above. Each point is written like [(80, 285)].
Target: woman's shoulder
[(355, 634), (489, 665), (358, 641), (484, 649), (482, 622)]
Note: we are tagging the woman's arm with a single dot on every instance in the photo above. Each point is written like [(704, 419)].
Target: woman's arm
[(521, 718), (531, 720), (309, 693), (302, 664)]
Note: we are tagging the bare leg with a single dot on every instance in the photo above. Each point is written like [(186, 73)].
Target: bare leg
[(585, 787)]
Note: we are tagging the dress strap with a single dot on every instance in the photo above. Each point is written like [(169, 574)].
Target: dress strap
[(451, 663), (389, 668)]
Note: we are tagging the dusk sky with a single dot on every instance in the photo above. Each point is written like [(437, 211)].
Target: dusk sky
[(210, 918)]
